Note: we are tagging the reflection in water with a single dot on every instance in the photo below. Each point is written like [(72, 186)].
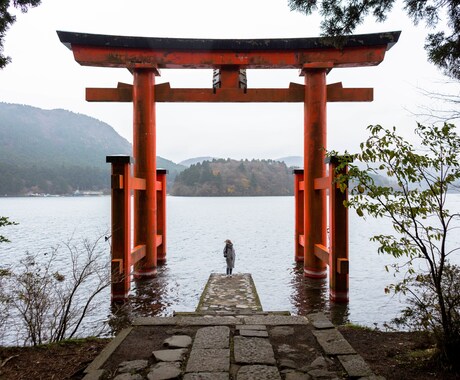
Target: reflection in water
[(158, 296), (149, 297), (262, 228), (312, 295)]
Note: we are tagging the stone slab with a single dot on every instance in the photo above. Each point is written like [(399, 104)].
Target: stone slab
[(286, 349), (275, 320), (258, 372), (253, 351), (164, 371), (209, 321), (333, 342), (212, 337), (128, 376), (355, 365), (174, 355), (235, 293), (322, 374), (155, 321), (280, 331), (252, 327), (132, 366), (95, 375), (178, 341), (208, 360), (320, 321), (297, 376), (286, 363), (254, 333), (321, 362), (207, 376)]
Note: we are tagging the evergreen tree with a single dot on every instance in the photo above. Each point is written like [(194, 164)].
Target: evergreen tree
[(443, 45), (7, 19)]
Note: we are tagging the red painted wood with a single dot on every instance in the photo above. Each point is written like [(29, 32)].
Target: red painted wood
[(314, 167), (144, 148), (299, 215), (121, 231), (260, 59), (338, 225), (161, 215)]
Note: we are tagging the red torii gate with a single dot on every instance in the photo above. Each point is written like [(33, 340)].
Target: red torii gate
[(144, 57)]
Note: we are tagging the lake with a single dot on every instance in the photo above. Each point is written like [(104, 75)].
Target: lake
[(262, 230)]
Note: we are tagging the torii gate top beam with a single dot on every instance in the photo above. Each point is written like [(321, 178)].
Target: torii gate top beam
[(173, 53)]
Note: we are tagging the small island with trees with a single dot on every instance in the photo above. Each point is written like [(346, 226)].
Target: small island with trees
[(227, 177)]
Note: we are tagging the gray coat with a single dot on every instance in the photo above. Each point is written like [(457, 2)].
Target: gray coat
[(230, 255)]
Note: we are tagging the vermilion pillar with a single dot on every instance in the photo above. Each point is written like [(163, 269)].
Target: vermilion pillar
[(299, 215), (121, 227), (144, 149), (338, 221), (161, 213), (314, 167)]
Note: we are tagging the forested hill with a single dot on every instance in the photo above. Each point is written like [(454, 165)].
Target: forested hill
[(55, 137), (57, 151), (221, 177)]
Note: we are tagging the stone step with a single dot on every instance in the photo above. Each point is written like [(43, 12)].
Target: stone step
[(230, 336)]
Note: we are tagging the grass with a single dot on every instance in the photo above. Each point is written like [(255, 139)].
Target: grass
[(356, 326)]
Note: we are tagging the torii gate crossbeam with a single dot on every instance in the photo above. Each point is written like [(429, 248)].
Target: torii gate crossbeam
[(314, 57)]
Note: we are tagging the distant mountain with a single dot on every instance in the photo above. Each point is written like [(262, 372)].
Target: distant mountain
[(58, 151), (55, 137), (235, 178), (173, 168), (292, 161), (192, 161)]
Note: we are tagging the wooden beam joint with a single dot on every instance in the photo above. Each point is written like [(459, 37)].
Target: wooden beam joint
[(294, 94), (137, 253), (343, 266), (322, 253)]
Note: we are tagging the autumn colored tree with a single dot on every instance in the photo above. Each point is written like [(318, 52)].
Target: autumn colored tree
[(425, 242)]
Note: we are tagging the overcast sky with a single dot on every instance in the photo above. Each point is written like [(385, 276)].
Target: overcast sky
[(44, 74)]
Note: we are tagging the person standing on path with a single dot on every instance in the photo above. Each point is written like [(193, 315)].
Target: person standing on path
[(229, 254)]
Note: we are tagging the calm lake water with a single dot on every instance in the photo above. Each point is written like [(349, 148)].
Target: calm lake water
[(262, 229)]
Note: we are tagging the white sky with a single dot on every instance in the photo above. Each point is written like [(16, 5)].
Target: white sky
[(44, 74)]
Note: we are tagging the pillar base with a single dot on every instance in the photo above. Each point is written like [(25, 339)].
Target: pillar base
[(314, 272), (339, 297), (145, 273), (119, 297), (161, 260), (298, 259)]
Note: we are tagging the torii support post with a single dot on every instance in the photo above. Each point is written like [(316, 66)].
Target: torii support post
[(161, 215), (123, 255), (144, 148), (299, 240), (335, 255), (338, 230), (314, 154), (121, 226)]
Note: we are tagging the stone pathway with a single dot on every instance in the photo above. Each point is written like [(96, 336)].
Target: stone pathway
[(234, 294), (231, 338)]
